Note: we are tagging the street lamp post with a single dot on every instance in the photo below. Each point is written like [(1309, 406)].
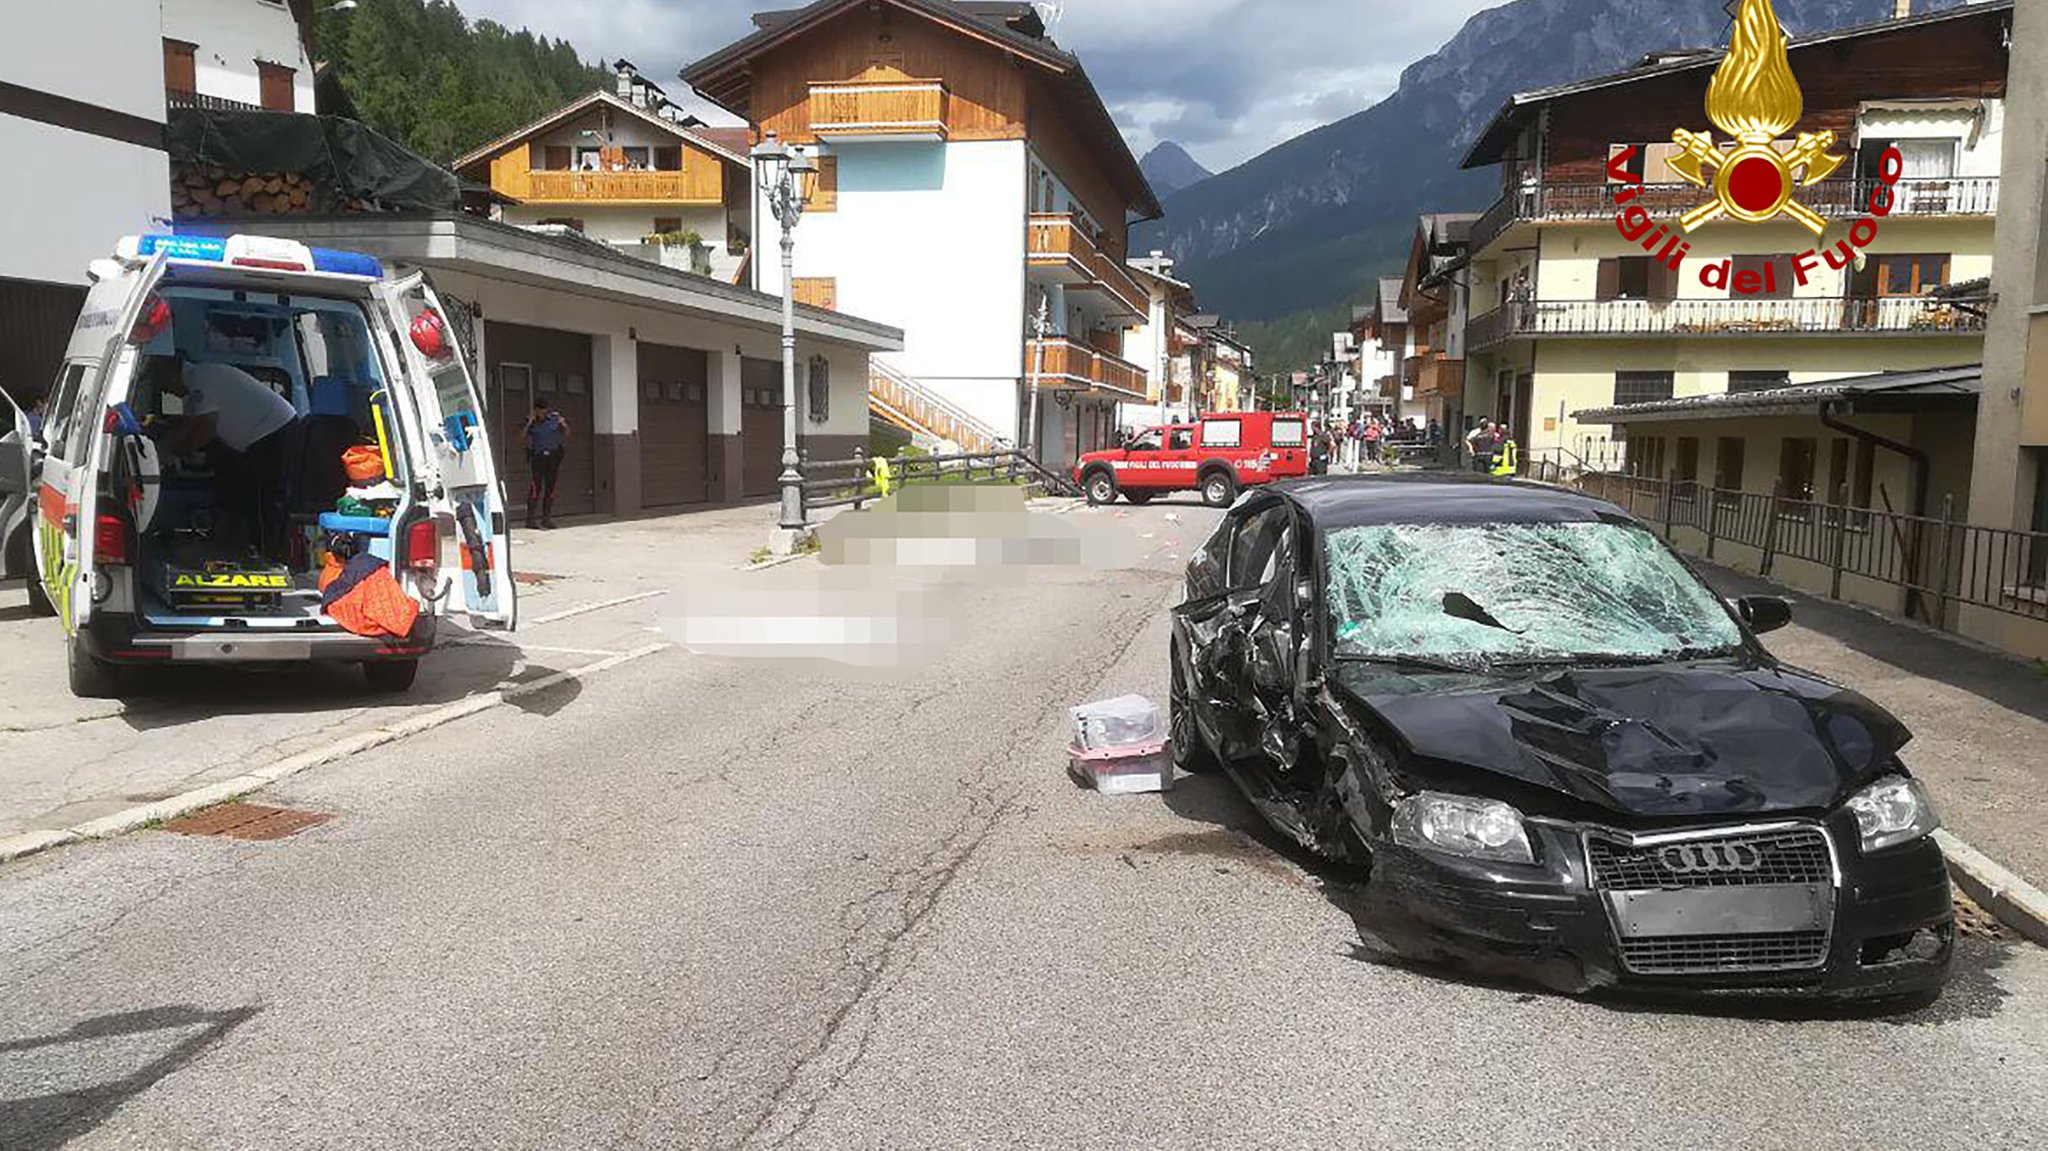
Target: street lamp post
[(786, 177)]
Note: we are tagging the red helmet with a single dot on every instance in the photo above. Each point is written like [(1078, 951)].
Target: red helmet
[(430, 335)]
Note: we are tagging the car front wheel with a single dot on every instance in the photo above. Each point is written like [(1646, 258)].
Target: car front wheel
[(1190, 754), (1100, 488), (1218, 490)]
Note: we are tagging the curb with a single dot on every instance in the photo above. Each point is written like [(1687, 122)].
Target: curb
[(2017, 904), (30, 842)]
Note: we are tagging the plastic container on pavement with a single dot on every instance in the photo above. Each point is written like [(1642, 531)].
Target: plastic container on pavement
[(1126, 721), (1119, 746)]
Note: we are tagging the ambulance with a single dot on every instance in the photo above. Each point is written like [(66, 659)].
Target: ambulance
[(153, 548)]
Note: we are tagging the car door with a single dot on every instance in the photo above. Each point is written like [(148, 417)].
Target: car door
[(454, 461), (1143, 457), (1177, 468), (1241, 633)]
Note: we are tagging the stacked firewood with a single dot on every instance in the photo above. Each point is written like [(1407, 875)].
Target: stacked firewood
[(206, 191)]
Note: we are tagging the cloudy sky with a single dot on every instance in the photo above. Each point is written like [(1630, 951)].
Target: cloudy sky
[(1226, 78)]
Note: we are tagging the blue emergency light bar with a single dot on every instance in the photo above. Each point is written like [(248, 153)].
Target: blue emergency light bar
[(214, 249)]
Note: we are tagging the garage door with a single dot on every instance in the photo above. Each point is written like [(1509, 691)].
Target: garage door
[(760, 426), (527, 364), (675, 426)]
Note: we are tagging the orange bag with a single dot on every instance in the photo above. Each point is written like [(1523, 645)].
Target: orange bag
[(363, 463)]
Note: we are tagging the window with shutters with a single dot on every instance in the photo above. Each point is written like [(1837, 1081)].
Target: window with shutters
[(275, 81), (817, 291), (825, 195), (1641, 387), (1771, 275), (1758, 380), (554, 157), (181, 69), (1635, 278)]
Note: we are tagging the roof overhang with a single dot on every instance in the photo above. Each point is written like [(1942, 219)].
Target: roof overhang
[(1493, 141), (1929, 390), (579, 106), (503, 252), (725, 77)]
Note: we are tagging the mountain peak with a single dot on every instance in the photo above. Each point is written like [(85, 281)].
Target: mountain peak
[(1169, 167), (1309, 222)]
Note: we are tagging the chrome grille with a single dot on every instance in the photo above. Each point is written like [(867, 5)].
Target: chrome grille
[(1725, 954), (1784, 855)]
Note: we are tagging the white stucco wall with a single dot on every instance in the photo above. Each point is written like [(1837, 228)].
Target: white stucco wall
[(618, 410), (930, 238), (110, 188), (232, 36)]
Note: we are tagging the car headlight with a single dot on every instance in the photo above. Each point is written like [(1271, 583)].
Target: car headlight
[(1462, 825), (1892, 811)]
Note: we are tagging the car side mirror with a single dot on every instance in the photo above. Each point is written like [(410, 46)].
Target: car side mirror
[(1764, 612)]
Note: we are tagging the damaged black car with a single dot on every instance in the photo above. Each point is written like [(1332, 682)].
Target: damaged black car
[(1551, 748)]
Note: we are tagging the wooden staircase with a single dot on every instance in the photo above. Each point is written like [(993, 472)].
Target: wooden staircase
[(899, 400)]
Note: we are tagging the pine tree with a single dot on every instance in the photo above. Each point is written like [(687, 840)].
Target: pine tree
[(423, 75)]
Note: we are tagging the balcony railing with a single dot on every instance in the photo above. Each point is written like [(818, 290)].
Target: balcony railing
[(643, 185), (180, 98), (894, 108), (1058, 362), (1834, 199), (1057, 242), (1809, 315)]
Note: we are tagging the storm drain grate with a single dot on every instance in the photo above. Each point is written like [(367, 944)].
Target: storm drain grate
[(246, 821)]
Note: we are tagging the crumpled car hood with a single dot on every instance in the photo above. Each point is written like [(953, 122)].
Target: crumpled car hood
[(1670, 740)]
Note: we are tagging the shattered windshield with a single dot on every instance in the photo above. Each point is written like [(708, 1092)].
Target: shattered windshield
[(1490, 593)]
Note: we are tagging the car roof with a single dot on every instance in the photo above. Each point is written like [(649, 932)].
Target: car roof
[(1439, 498)]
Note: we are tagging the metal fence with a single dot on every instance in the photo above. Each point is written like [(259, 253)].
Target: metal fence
[(1936, 561), (839, 483)]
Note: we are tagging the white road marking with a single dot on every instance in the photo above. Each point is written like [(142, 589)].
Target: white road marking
[(599, 605), (30, 842)]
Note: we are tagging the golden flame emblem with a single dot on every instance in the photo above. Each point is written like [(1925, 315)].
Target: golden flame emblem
[(1754, 99)]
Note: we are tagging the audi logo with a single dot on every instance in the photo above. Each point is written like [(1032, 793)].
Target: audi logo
[(1697, 858)]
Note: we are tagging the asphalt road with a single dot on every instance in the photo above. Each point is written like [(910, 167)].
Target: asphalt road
[(708, 902)]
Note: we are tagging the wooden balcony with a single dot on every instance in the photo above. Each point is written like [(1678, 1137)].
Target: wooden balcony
[(1439, 376), (1060, 363), (1835, 199), (1058, 247), (879, 109), (631, 187), (1803, 315)]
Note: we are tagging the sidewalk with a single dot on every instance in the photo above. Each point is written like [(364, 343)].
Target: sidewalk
[(587, 593), (1979, 717)]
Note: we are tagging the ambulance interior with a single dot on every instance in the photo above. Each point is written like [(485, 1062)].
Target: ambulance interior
[(256, 554)]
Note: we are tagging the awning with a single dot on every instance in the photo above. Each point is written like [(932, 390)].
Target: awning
[(1928, 389)]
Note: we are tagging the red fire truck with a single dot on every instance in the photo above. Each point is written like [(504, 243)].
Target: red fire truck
[(1218, 455)]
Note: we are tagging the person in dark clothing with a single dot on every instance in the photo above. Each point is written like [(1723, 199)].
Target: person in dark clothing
[(546, 437)]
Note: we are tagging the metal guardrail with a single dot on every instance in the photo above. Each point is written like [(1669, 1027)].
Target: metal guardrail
[(840, 483), (1937, 561)]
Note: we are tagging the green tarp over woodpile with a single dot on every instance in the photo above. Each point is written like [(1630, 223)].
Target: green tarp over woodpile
[(345, 161)]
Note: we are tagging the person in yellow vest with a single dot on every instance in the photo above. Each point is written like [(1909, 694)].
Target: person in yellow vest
[(1505, 463), (885, 477)]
